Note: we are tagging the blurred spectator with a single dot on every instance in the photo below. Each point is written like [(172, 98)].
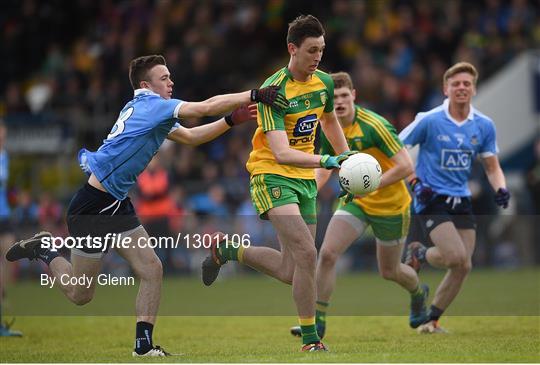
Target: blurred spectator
[(154, 205)]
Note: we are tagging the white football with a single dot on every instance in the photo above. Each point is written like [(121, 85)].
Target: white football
[(360, 174)]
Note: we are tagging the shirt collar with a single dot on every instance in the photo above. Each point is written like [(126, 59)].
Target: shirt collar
[(145, 91), (446, 106)]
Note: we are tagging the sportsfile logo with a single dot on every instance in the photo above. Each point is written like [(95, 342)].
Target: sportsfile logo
[(118, 240), (456, 160)]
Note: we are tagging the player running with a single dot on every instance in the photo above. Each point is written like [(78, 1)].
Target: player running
[(6, 229), (282, 164), (387, 210), (102, 206), (450, 137)]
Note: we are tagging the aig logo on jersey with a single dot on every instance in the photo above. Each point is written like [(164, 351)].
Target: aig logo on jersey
[(456, 159)]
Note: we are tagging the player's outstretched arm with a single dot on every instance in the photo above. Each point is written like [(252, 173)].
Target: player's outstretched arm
[(207, 132), (223, 104), (403, 167), (333, 132)]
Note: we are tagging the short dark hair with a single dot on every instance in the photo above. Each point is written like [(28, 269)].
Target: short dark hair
[(303, 27), (139, 67)]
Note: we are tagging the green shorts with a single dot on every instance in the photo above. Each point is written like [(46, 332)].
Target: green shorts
[(270, 191), (385, 228)]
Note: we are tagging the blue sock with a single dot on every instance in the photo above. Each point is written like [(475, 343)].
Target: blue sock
[(435, 313), (143, 337), (46, 255)]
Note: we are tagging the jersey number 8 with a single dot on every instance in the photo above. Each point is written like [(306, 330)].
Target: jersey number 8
[(119, 126)]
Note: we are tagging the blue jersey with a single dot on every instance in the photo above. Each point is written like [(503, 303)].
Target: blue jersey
[(4, 175), (136, 136), (447, 147)]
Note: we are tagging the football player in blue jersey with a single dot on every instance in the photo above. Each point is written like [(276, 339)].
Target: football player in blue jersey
[(450, 137), (6, 229), (101, 207)]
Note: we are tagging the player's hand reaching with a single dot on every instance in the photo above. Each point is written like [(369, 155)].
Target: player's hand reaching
[(270, 95), (344, 193), (422, 192), (334, 162), (502, 197), (243, 114)]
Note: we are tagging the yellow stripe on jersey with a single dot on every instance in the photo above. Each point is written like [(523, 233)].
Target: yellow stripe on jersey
[(268, 119), (279, 79), (381, 130)]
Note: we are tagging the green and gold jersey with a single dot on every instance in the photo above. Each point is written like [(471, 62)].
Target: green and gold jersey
[(371, 133), (307, 102)]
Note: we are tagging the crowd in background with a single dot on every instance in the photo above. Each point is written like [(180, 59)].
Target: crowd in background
[(67, 61)]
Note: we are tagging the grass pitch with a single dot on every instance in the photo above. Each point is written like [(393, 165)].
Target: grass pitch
[(495, 319)]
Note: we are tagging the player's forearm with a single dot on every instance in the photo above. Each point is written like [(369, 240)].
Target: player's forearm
[(289, 156), (496, 178), (395, 174), (402, 169), (224, 104), (208, 132)]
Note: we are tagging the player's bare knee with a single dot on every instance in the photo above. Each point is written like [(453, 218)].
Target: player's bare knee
[(328, 257), (306, 257), (286, 277), (464, 267), (151, 270), (455, 259), (83, 297), (388, 273)]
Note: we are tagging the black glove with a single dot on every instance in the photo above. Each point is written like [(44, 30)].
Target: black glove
[(502, 197), (422, 192), (270, 96)]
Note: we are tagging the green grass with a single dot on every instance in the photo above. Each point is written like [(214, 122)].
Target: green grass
[(266, 339), (495, 319)]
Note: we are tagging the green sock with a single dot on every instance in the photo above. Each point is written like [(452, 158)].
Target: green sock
[(228, 250), (418, 292), (320, 313), (309, 331)]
